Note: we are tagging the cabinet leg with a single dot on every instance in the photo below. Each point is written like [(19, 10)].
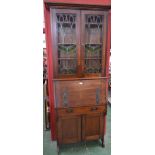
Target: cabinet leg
[(103, 145), (58, 149)]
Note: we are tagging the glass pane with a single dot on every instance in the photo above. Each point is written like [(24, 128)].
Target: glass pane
[(93, 43), (67, 49)]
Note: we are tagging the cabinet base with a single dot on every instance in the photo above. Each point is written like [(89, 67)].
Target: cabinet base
[(58, 145)]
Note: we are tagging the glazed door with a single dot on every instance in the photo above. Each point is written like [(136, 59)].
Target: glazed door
[(93, 41), (92, 126), (65, 34)]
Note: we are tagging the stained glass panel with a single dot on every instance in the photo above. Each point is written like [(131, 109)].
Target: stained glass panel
[(93, 43), (67, 48)]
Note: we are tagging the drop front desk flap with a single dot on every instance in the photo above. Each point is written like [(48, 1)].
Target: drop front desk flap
[(79, 93)]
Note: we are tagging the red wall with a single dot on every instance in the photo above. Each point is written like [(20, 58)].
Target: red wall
[(50, 71), (88, 2)]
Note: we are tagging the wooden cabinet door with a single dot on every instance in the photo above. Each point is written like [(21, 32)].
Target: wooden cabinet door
[(93, 42), (69, 129), (92, 126)]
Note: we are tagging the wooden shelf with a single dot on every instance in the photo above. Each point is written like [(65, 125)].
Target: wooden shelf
[(76, 58), (93, 43), (92, 58), (66, 22), (83, 78), (66, 43), (67, 58), (93, 23)]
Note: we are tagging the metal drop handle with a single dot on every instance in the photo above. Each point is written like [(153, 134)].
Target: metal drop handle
[(65, 98), (98, 91)]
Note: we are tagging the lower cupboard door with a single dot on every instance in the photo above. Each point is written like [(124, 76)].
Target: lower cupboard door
[(69, 129), (92, 126)]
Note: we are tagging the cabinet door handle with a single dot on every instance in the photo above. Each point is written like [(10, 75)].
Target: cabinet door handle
[(65, 98), (98, 91), (94, 108), (69, 110)]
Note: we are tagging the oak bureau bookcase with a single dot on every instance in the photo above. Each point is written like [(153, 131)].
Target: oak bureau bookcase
[(79, 42)]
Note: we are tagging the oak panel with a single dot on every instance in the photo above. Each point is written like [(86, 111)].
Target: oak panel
[(92, 126), (69, 129)]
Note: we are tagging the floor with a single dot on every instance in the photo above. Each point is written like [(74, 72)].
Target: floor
[(88, 148)]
